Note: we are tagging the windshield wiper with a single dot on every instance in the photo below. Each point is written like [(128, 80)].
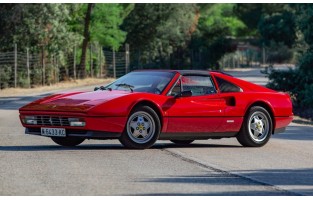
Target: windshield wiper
[(102, 88), (126, 85)]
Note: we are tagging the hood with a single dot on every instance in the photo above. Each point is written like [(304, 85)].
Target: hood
[(73, 102)]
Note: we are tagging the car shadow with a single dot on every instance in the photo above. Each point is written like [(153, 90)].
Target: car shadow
[(83, 147), (194, 145)]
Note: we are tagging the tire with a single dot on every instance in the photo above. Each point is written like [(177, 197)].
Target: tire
[(182, 142), (257, 128), (142, 128), (67, 141)]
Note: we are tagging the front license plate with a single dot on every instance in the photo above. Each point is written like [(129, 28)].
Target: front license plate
[(53, 132)]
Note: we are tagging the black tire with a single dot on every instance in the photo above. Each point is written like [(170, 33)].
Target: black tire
[(142, 128), (256, 129), (182, 142), (67, 141)]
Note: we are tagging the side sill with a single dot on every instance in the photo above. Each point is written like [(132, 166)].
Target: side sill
[(196, 136)]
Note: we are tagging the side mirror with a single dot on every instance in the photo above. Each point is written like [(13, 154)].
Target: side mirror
[(187, 93), (96, 88)]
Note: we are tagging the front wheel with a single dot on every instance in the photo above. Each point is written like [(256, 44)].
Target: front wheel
[(142, 129), (257, 128), (67, 141)]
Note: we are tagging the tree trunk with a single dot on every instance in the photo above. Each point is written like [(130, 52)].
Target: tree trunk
[(86, 40)]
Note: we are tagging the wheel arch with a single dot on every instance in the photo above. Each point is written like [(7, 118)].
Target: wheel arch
[(267, 107), (152, 105)]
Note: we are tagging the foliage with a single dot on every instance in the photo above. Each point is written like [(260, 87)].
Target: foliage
[(216, 26), (105, 22), (6, 73), (305, 23), (221, 16), (294, 81), (307, 100), (157, 30), (304, 13), (271, 22), (278, 27), (36, 26), (279, 53)]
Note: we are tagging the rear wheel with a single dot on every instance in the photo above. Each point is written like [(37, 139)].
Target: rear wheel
[(67, 141), (257, 128), (142, 129), (182, 142)]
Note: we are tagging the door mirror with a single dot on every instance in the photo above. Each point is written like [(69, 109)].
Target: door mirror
[(187, 93)]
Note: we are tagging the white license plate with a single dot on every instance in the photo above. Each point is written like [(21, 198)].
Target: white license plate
[(53, 132)]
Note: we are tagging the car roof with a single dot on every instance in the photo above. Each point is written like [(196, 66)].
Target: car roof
[(194, 72), (184, 72)]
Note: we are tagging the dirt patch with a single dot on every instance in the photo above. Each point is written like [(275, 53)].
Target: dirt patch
[(58, 86)]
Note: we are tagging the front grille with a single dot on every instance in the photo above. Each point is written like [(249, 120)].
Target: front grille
[(52, 121)]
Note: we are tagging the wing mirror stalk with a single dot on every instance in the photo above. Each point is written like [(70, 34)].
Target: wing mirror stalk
[(187, 93)]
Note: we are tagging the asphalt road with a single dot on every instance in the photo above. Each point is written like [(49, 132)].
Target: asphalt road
[(32, 165)]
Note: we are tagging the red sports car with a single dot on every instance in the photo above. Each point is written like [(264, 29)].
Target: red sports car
[(178, 105)]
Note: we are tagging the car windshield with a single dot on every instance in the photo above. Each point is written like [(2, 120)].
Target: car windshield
[(143, 81)]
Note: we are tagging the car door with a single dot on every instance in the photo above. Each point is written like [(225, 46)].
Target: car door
[(199, 113)]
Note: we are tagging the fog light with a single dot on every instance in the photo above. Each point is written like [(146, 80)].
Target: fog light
[(30, 120), (76, 122)]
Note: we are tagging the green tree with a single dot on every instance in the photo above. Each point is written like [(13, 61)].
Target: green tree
[(102, 25), (158, 30), (86, 39), (278, 27), (35, 25), (217, 26), (272, 26)]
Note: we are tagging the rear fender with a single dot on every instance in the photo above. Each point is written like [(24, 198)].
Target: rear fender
[(267, 106)]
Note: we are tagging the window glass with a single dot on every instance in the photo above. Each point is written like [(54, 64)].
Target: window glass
[(150, 82), (198, 85), (226, 86)]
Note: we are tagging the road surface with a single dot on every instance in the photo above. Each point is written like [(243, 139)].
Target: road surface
[(32, 165)]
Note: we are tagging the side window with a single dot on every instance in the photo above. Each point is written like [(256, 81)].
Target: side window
[(198, 85), (226, 86)]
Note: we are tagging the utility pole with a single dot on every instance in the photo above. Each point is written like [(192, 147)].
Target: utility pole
[(114, 65), (27, 64), (15, 65), (74, 62), (263, 53), (126, 58)]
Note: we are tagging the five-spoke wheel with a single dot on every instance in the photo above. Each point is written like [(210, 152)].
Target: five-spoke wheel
[(142, 128), (257, 128)]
